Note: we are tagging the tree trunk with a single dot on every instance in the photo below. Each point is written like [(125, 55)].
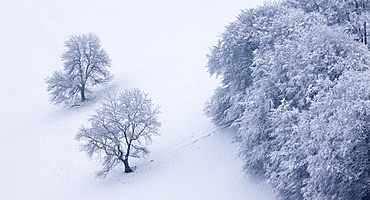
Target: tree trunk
[(127, 166), (83, 93), (125, 161), (365, 34)]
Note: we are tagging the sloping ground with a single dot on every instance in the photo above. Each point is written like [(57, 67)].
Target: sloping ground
[(202, 168), (157, 47)]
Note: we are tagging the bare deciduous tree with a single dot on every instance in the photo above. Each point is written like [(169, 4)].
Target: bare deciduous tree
[(85, 65), (121, 128)]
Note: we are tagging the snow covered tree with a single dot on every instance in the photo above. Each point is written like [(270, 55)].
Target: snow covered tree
[(85, 65), (121, 128), (231, 60), (307, 57), (352, 15), (288, 57), (339, 135)]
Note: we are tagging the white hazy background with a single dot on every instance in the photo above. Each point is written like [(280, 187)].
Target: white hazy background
[(158, 46)]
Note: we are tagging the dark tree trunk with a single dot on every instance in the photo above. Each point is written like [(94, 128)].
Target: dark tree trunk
[(127, 166), (83, 93), (125, 161), (365, 34)]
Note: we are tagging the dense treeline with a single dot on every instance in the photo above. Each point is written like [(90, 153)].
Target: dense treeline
[(295, 87)]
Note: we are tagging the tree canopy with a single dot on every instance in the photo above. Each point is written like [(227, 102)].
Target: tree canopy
[(293, 86)]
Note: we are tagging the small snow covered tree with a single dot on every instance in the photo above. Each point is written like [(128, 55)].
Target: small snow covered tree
[(85, 65), (121, 128)]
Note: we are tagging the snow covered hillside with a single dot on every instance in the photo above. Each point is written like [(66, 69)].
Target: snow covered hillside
[(159, 47)]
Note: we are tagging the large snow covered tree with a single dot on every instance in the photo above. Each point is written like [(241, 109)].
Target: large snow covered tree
[(339, 130), (330, 54), (121, 128), (231, 60), (276, 63), (85, 65)]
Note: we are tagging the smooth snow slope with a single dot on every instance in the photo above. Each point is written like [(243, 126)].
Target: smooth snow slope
[(158, 46)]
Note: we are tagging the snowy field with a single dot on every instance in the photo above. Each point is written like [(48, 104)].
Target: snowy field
[(159, 47)]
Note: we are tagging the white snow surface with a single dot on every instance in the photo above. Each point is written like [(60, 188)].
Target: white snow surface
[(157, 46)]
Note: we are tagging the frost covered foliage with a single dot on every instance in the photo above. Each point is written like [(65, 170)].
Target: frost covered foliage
[(339, 140), (85, 65), (350, 14), (293, 86), (121, 128)]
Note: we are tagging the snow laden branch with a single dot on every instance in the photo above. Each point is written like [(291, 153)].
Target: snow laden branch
[(121, 128), (85, 65)]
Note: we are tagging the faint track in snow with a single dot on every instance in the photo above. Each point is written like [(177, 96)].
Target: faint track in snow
[(189, 141)]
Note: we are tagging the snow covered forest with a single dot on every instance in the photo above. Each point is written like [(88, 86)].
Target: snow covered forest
[(295, 89)]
